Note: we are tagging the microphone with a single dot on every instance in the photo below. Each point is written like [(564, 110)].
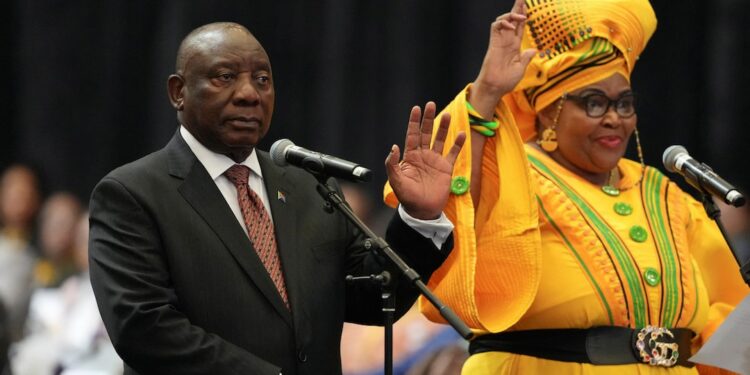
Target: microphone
[(701, 176), (284, 152)]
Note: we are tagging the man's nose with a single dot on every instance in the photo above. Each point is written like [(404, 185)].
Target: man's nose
[(246, 92)]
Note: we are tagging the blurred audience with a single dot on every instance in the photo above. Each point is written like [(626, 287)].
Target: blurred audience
[(448, 360), (65, 333), (19, 202), (420, 347), (57, 222)]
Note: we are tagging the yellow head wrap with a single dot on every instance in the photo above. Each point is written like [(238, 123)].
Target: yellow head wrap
[(580, 42)]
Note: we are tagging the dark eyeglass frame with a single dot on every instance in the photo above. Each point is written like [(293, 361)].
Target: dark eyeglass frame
[(583, 101)]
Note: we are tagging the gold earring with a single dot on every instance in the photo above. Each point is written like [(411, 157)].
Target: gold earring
[(640, 155), (548, 140)]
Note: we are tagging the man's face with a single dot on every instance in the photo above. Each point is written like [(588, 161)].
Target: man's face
[(227, 94)]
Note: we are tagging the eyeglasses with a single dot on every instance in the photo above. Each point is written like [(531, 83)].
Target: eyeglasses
[(596, 105)]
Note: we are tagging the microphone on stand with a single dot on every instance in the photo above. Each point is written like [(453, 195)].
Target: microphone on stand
[(700, 176), (284, 152)]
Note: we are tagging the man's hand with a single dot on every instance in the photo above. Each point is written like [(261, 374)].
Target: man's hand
[(421, 181)]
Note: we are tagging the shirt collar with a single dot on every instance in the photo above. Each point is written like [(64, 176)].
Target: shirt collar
[(216, 164)]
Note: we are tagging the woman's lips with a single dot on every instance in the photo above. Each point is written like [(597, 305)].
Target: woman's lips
[(609, 141)]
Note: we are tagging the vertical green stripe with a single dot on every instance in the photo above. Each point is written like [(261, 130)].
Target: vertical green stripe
[(578, 257), (651, 201), (652, 192), (618, 248)]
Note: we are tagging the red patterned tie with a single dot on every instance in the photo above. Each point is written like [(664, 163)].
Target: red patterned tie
[(259, 226)]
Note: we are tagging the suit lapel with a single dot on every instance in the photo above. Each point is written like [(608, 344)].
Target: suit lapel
[(200, 191)]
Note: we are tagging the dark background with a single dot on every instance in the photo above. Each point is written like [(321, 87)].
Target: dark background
[(85, 81)]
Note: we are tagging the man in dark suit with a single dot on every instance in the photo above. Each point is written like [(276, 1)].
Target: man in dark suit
[(187, 279)]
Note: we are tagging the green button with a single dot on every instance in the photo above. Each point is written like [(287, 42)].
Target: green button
[(623, 208), (459, 185), (638, 234), (611, 190), (651, 276)]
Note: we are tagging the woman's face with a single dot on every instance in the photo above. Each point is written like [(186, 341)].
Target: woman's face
[(591, 147)]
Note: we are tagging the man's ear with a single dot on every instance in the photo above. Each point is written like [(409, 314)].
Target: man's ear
[(175, 85)]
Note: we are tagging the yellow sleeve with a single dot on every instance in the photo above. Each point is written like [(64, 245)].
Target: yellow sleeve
[(489, 280)]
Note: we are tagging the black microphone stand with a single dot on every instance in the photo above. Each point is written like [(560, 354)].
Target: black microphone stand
[(383, 248), (389, 308), (714, 213)]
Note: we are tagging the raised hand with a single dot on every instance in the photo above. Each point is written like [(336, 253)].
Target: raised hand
[(421, 181), (504, 63)]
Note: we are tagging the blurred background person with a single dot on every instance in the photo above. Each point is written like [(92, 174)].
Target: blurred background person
[(419, 347), (57, 228), (65, 333), (19, 202), (447, 360)]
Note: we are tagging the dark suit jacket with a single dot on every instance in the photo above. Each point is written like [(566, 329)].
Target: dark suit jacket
[(182, 291)]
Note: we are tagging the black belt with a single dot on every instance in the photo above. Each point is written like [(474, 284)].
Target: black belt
[(605, 345)]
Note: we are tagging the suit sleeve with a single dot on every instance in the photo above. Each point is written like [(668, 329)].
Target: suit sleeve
[(140, 309)]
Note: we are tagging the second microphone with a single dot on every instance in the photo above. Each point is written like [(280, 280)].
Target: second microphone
[(284, 152)]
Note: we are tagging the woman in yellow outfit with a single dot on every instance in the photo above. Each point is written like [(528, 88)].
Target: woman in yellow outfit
[(570, 259)]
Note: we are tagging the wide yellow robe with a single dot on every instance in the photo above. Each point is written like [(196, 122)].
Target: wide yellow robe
[(547, 249)]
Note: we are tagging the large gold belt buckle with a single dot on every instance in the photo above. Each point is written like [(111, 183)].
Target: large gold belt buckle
[(657, 346)]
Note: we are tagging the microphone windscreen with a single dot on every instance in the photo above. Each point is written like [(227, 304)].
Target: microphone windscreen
[(669, 158), (278, 151)]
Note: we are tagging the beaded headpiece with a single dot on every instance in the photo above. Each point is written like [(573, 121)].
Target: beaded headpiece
[(579, 42)]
